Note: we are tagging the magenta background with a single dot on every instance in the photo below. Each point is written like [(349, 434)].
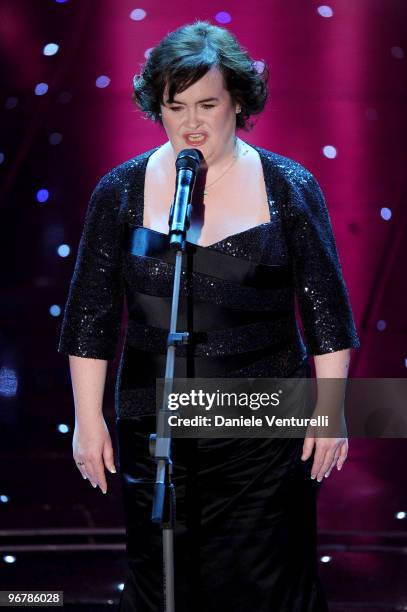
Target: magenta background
[(326, 76)]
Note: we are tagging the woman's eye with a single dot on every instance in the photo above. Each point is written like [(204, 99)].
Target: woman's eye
[(175, 108), (208, 105)]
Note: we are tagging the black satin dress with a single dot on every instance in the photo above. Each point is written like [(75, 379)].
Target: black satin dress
[(245, 536)]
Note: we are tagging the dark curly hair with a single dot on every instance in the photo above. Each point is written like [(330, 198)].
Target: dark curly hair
[(185, 55)]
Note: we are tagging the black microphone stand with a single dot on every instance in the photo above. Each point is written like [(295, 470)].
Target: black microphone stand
[(163, 511)]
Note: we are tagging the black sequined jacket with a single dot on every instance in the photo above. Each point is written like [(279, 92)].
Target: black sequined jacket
[(237, 296)]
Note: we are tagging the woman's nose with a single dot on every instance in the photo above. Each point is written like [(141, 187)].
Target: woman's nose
[(193, 119)]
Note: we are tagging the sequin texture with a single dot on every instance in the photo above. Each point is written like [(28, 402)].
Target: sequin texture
[(248, 330)]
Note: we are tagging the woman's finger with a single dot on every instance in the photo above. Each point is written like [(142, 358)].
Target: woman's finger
[(342, 455), (319, 458), (335, 459), (108, 457), (81, 465), (87, 468), (328, 458), (101, 477), (307, 448)]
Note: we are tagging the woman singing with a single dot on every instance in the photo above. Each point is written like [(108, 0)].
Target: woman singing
[(245, 534)]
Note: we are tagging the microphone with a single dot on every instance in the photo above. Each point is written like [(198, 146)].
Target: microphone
[(187, 165)]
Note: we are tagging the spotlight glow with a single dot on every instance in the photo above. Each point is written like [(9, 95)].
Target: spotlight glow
[(385, 213), (326, 559), (401, 515), (381, 325), (120, 586), (138, 14), (9, 559), (63, 250), (102, 81), (325, 11), (63, 428), (41, 89), (2, 157), (329, 151), (50, 49), (223, 17), (4, 499), (55, 310)]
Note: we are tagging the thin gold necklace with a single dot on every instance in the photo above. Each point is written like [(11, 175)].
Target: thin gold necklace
[(235, 157)]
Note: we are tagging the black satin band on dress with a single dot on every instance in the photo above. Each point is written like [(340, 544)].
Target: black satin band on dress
[(145, 242), (155, 311)]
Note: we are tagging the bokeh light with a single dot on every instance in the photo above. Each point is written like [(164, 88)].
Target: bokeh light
[(138, 14), (55, 138), (102, 81), (259, 66), (42, 195), (8, 382), (372, 114), (55, 310), (329, 151), (63, 250), (385, 213), (325, 11), (50, 49), (11, 102), (41, 89), (397, 52), (223, 17)]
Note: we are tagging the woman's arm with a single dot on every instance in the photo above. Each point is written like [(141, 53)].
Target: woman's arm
[(91, 440), (91, 325), (325, 311), (329, 451), (88, 378), (332, 365)]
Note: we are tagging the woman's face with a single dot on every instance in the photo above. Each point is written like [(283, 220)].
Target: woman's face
[(202, 117)]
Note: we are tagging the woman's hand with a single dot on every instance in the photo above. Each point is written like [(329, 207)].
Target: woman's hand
[(331, 371), (328, 453), (92, 450)]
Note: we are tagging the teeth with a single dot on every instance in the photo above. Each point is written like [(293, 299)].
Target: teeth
[(198, 137)]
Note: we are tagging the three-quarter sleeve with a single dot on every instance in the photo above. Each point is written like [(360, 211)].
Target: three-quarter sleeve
[(321, 293), (93, 311)]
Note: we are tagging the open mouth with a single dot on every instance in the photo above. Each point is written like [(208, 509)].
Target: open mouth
[(195, 138)]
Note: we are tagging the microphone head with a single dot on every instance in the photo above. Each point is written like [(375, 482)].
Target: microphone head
[(189, 158)]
